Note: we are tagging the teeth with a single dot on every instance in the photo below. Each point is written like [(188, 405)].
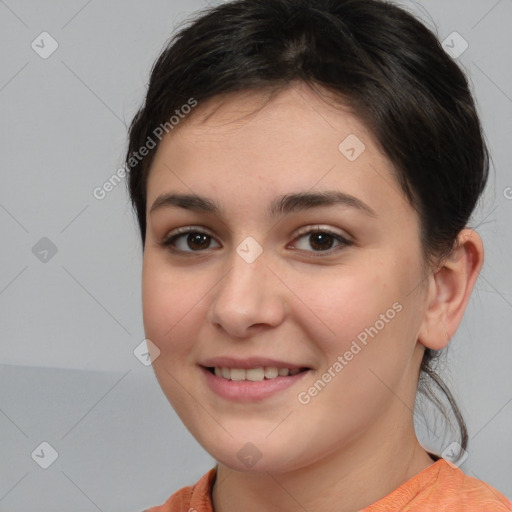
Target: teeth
[(254, 374), (271, 372), (237, 374)]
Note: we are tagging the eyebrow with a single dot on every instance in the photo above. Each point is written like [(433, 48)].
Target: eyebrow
[(282, 205)]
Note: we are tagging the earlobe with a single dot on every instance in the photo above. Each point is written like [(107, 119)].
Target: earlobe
[(449, 290)]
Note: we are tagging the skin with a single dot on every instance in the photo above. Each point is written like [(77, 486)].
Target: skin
[(354, 442)]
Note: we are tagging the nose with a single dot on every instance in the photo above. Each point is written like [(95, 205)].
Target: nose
[(250, 298)]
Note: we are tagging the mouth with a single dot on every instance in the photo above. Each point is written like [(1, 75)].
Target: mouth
[(256, 374), (252, 383)]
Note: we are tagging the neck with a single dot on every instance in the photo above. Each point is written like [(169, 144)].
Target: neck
[(347, 480)]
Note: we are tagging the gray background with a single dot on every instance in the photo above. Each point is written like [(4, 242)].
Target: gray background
[(69, 323)]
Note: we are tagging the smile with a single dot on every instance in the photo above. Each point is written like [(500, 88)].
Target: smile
[(251, 384), (254, 374)]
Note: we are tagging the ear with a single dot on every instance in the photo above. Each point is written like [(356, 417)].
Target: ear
[(449, 289)]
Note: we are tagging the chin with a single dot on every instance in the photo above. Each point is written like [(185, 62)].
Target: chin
[(258, 457)]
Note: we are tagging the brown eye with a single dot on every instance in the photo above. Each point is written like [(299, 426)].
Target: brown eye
[(198, 241), (320, 240), (190, 241)]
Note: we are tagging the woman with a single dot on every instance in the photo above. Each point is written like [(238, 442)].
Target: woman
[(303, 174)]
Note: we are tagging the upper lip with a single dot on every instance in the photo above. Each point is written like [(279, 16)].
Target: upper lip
[(248, 362)]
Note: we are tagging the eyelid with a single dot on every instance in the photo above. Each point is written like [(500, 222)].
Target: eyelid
[(322, 229), (184, 230), (168, 240), (343, 240)]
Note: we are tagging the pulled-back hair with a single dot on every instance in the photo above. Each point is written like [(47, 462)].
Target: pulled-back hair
[(369, 55)]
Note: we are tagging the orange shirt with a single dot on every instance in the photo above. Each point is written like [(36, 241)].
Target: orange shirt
[(439, 488)]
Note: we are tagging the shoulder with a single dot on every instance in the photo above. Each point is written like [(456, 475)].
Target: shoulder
[(464, 492), (443, 486), (192, 498)]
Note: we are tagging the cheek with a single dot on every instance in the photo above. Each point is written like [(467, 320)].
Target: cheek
[(364, 316), (171, 302), (173, 312), (366, 337), (347, 303)]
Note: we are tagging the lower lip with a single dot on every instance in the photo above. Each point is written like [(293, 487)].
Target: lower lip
[(248, 391)]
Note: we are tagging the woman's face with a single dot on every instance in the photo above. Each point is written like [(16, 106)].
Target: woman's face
[(310, 259)]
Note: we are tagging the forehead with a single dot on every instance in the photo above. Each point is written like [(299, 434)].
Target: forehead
[(261, 146)]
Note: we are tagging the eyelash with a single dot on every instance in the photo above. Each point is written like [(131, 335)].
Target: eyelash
[(180, 232)]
